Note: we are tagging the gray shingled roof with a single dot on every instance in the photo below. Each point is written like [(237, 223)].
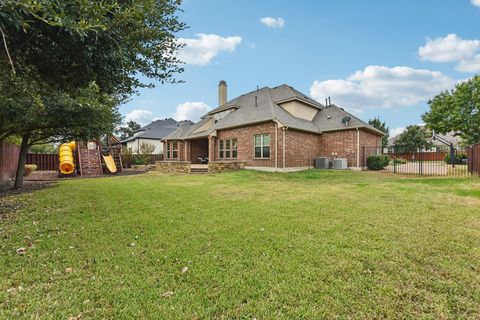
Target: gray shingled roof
[(450, 137), (158, 129), (263, 105)]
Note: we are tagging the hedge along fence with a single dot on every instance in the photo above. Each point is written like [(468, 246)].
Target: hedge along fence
[(8, 160), (130, 159)]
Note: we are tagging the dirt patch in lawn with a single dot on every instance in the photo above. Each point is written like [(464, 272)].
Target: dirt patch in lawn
[(28, 186)]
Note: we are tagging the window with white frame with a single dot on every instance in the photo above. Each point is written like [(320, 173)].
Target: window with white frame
[(262, 146), (172, 150), (175, 150), (227, 149)]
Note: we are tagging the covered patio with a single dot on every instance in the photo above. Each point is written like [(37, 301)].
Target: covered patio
[(198, 151)]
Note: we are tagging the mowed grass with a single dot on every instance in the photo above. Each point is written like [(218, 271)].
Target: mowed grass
[(304, 245)]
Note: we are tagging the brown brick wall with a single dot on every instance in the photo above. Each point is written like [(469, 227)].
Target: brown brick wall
[(301, 148), (245, 136), (344, 144), (368, 139)]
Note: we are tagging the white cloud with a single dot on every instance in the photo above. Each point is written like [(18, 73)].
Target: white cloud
[(202, 50), (452, 48), (140, 116), (471, 65), (449, 48), (191, 111), (273, 22), (396, 131), (475, 2), (382, 87)]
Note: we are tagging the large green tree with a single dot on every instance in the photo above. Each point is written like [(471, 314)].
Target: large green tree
[(414, 138), (457, 110), (51, 51), (382, 126)]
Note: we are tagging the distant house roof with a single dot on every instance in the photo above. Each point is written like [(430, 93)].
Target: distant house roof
[(158, 129), (263, 105), (449, 137)]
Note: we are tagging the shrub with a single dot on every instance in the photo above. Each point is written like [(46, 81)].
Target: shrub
[(377, 162), (137, 160), (457, 159), (146, 149), (399, 161), (29, 168), (127, 157)]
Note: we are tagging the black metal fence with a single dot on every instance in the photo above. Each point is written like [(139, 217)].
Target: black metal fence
[(437, 161)]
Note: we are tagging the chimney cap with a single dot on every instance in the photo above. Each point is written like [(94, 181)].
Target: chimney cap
[(222, 82)]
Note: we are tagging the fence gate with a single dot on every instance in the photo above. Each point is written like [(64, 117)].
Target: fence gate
[(436, 161)]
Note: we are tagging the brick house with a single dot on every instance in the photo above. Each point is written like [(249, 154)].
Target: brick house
[(275, 129)]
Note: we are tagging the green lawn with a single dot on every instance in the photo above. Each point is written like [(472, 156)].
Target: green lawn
[(304, 245)]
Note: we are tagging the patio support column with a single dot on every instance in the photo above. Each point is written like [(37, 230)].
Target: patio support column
[(211, 148), (186, 150)]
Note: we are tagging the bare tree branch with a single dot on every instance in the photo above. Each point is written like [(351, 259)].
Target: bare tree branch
[(6, 49)]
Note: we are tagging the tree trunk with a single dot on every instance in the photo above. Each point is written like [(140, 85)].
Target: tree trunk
[(22, 159)]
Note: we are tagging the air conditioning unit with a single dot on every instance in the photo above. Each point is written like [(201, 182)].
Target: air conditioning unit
[(340, 164), (321, 163)]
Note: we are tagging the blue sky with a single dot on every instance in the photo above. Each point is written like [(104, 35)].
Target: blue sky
[(374, 58)]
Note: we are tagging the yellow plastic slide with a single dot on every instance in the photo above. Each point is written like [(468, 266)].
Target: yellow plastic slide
[(110, 163), (65, 154)]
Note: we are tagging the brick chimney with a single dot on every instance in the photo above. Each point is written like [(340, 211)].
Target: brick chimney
[(222, 92)]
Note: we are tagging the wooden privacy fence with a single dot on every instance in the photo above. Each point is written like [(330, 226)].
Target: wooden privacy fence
[(44, 161), (8, 160), (49, 161), (473, 154), (426, 156)]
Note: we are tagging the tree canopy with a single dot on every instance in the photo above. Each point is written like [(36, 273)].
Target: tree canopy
[(128, 130), (69, 44), (457, 110), (414, 138), (382, 126)]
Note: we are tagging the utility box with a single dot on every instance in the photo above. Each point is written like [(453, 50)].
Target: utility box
[(340, 164), (321, 163)]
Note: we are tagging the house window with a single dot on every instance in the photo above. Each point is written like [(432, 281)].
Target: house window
[(234, 148), (262, 146), (227, 149), (175, 150), (221, 149), (172, 150)]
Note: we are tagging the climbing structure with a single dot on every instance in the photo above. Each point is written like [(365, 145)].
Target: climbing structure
[(114, 148), (89, 159)]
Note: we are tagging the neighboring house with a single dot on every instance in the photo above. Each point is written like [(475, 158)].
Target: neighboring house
[(271, 129), (449, 138), (153, 133)]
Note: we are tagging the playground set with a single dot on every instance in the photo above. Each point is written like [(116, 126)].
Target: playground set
[(89, 158)]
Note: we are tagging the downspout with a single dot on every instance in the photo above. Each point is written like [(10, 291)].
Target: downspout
[(276, 146), (283, 147), (358, 148)]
